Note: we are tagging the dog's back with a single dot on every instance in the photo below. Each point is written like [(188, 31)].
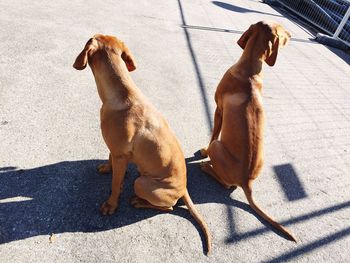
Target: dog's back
[(243, 116)]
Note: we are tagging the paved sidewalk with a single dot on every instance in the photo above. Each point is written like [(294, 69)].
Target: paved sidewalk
[(51, 140)]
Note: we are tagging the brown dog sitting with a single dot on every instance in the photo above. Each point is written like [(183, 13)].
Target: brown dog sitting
[(237, 157), (135, 131)]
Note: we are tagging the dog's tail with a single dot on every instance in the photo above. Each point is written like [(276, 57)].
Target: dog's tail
[(248, 193), (194, 212)]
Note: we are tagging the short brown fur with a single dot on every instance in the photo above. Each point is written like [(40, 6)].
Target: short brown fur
[(237, 157), (135, 131)]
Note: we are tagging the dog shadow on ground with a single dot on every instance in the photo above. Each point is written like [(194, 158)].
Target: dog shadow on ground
[(61, 197), (65, 197)]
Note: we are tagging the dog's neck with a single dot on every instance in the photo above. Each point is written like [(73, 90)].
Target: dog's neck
[(114, 84), (252, 65), (252, 60)]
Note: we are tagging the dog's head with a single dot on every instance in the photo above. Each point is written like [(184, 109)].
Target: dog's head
[(268, 36), (107, 44)]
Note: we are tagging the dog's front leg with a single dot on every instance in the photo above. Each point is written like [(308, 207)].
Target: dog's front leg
[(216, 130), (119, 165)]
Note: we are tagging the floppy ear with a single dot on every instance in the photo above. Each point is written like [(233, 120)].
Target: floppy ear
[(273, 52), (242, 41), (128, 59), (82, 58)]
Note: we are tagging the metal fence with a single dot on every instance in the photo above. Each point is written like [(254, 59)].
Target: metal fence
[(330, 16)]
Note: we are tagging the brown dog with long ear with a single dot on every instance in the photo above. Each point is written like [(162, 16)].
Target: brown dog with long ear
[(135, 131), (237, 157)]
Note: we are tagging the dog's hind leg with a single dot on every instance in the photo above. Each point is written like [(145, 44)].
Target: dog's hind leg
[(208, 168), (138, 202), (154, 194), (223, 167)]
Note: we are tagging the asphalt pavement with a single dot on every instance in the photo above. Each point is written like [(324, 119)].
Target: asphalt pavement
[(51, 142)]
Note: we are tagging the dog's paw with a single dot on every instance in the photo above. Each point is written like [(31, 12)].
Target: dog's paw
[(107, 209), (104, 168), (137, 202), (204, 152)]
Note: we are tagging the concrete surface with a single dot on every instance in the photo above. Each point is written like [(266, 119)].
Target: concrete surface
[(51, 141)]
